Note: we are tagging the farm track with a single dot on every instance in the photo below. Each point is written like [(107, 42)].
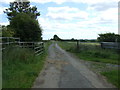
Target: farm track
[(62, 70)]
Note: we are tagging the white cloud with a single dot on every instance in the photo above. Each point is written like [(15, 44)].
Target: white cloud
[(63, 1), (93, 1), (101, 16), (2, 9), (47, 1), (110, 14), (6, 1), (67, 13), (83, 29), (74, 1)]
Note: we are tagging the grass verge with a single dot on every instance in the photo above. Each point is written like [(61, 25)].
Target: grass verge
[(21, 67), (92, 52), (112, 76)]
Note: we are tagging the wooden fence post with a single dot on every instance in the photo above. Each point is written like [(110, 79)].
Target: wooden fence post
[(78, 45), (8, 40)]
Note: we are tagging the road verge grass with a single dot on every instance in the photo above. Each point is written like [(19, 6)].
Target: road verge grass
[(113, 77), (21, 67), (92, 52)]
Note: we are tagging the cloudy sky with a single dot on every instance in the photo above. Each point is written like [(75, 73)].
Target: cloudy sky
[(79, 19)]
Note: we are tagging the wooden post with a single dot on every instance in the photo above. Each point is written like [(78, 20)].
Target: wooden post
[(8, 41), (78, 45)]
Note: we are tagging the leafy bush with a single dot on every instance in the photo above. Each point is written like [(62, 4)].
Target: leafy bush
[(26, 28)]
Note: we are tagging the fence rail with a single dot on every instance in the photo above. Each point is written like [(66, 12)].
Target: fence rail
[(38, 47), (112, 45)]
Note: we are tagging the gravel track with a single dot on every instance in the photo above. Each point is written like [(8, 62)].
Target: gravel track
[(62, 70)]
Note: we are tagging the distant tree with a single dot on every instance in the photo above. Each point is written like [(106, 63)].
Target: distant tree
[(26, 28), (109, 37), (17, 7), (56, 38), (72, 39)]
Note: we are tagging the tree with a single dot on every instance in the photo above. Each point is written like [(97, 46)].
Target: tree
[(26, 28), (109, 37), (17, 7), (72, 39), (23, 19), (56, 38), (7, 31)]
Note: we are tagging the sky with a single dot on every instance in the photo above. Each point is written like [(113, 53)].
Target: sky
[(78, 19)]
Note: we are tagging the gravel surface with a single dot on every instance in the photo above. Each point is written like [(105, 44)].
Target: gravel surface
[(62, 70)]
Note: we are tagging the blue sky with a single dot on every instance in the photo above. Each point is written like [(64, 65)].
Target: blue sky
[(79, 19)]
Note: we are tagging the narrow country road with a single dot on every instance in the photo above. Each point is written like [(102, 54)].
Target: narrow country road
[(64, 71)]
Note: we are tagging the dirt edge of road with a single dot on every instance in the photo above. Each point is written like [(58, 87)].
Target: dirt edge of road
[(90, 66)]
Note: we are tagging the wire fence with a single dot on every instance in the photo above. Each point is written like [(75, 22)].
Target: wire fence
[(112, 45)]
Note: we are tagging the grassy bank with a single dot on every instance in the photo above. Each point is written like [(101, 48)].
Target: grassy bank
[(21, 67), (113, 77), (93, 52)]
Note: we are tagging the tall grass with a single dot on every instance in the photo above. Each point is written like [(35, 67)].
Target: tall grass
[(13, 55), (92, 52), (113, 77), (21, 67)]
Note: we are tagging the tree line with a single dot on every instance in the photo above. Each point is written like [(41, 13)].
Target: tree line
[(106, 37), (109, 37)]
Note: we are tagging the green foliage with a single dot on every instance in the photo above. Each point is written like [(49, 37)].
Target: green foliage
[(92, 52), (109, 37), (23, 21), (7, 31), (17, 54), (113, 77), (21, 7), (21, 67), (56, 38), (26, 28)]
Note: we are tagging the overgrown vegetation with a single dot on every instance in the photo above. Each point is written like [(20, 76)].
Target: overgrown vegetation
[(92, 52), (21, 67), (113, 77)]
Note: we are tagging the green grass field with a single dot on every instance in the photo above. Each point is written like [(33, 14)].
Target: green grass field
[(21, 67), (93, 52)]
